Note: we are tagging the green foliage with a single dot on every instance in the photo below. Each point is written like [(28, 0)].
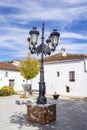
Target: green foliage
[(10, 61), (7, 91), (29, 68)]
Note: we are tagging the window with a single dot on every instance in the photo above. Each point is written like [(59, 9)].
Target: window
[(67, 89), (58, 74), (72, 76), (6, 74), (23, 80)]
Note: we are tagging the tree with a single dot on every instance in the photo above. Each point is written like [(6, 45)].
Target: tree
[(29, 68)]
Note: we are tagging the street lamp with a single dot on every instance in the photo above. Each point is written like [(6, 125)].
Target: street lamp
[(44, 49)]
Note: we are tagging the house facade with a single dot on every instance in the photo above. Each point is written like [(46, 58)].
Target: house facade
[(65, 74), (10, 76)]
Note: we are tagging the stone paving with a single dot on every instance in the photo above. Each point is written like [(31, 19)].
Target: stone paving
[(71, 114)]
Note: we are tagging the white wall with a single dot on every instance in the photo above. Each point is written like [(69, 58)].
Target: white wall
[(85, 65), (53, 82), (58, 84), (14, 75)]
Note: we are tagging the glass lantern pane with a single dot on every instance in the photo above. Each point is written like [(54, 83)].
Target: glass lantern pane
[(50, 45), (54, 39), (30, 45), (34, 38)]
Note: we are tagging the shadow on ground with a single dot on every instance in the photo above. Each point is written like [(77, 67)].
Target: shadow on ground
[(71, 115), (20, 120), (18, 102)]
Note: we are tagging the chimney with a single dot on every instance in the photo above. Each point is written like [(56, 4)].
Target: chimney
[(63, 51)]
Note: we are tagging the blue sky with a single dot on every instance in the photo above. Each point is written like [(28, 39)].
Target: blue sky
[(17, 17)]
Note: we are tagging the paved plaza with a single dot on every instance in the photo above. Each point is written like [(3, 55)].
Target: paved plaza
[(71, 114)]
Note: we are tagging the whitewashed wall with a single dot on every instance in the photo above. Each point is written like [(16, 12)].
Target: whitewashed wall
[(53, 82), (58, 84), (85, 65), (12, 75)]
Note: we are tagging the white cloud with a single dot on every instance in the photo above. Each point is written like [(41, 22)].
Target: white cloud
[(15, 41), (66, 12), (74, 2), (31, 10), (73, 35), (72, 48)]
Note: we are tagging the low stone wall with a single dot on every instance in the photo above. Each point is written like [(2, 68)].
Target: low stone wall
[(42, 114)]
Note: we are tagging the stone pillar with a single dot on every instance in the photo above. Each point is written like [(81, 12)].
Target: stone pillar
[(42, 114)]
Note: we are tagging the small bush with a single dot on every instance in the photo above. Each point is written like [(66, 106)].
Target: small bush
[(7, 91)]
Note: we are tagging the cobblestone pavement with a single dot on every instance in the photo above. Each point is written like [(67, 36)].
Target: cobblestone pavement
[(71, 114)]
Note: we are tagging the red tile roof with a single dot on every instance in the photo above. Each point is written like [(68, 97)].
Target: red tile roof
[(8, 66), (59, 57)]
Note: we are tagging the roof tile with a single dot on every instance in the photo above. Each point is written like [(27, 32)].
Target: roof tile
[(8, 66), (59, 57)]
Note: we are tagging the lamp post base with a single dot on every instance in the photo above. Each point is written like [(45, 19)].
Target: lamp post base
[(41, 100), (41, 114)]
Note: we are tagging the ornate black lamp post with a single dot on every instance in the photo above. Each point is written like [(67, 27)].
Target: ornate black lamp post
[(44, 49)]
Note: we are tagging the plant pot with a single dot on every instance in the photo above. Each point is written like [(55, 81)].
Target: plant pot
[(56, 96)]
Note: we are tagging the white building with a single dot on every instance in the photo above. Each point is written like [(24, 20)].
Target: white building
[(10, 76), (65, 74)]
